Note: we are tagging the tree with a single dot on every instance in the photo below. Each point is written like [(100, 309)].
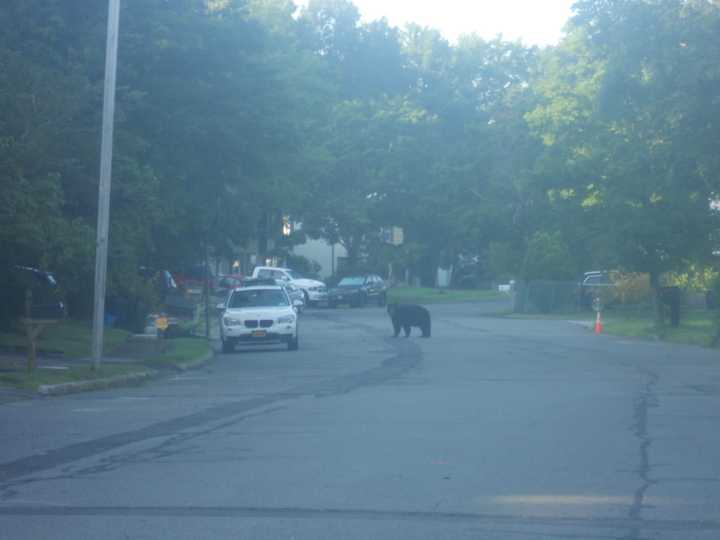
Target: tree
[(619, 106)]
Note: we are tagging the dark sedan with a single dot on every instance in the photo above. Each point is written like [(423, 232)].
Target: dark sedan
[(358, 291)]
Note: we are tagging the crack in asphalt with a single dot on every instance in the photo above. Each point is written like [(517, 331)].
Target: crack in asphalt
[(353, 513), (408, 356), (644, 401)]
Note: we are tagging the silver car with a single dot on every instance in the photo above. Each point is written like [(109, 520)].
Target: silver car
[(294, 293)]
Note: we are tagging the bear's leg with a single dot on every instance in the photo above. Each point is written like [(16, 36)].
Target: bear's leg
[(426, 328), (406, 329), (396, 328), (425, 325)]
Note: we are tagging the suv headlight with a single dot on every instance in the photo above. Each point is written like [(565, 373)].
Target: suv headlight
[(286, 319), (229, 321)]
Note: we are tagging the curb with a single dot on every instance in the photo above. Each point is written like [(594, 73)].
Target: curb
[(589, 325), (198, 362), (95, 384), (120, 380), (654, 338)]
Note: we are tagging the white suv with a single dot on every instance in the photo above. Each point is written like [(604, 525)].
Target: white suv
[(255, 315), (313, 290)]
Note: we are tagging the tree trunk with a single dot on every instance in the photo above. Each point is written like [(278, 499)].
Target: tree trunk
[(659, 306), (352, 247)]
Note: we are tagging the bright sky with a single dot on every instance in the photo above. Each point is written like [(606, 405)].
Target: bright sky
[(535, 22)]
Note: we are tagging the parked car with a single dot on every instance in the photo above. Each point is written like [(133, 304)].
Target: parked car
[(258, 315), (594, 284), (192, 279), (358, 291), (228, 282), (163, 281), (313, 290), (296, 295), (47, 301), (292, 291)]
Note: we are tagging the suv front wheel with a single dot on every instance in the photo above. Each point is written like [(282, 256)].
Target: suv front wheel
[(294, 343), (228, 346)]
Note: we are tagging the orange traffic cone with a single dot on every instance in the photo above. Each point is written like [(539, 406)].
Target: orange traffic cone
[(598, 324)]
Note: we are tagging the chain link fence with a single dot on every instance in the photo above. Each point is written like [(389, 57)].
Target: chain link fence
[(544, 296), (548, 297)]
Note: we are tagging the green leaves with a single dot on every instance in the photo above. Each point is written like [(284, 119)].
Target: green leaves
[(231, 113)]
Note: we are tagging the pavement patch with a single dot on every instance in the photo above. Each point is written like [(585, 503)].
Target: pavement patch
[(408, 356)]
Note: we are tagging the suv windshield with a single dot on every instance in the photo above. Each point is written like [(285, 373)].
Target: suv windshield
[(351, 282), (258, 298), (598, 279)]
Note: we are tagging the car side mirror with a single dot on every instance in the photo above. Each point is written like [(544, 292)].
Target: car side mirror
[(220, 307), (298, 303)]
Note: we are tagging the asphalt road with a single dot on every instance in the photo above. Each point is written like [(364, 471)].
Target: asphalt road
[(492, 428)]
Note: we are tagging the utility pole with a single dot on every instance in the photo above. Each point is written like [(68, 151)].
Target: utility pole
[(206, 287), (106, 154)]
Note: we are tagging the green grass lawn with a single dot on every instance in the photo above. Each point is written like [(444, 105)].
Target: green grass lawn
[(73, 338), (20, 378), (420, 295), (562, 316), (696, 327), (180, 352)]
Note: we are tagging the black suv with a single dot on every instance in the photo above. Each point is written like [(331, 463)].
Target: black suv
[(594, 284), (358, 291), (47, 301)]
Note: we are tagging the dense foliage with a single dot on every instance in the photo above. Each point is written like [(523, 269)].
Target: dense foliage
[(601, 152)]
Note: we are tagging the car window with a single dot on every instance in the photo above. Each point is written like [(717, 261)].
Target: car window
[(264, 274), (597, 280), (350, 282), (258, 298), (294, 275)]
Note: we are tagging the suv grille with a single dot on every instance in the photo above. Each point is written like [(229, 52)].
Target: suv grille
[(265, 323)]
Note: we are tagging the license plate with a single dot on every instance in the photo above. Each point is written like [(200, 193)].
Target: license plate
[(259, 333)]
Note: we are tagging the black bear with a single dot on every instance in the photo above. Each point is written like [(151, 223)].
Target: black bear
[(406, 316)]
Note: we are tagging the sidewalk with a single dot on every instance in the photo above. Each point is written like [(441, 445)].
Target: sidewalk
[(130, 362)]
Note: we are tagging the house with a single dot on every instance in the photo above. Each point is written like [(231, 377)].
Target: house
[(328, 256)]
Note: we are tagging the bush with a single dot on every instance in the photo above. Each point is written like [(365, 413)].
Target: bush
[(713, 296), (632, 288)]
